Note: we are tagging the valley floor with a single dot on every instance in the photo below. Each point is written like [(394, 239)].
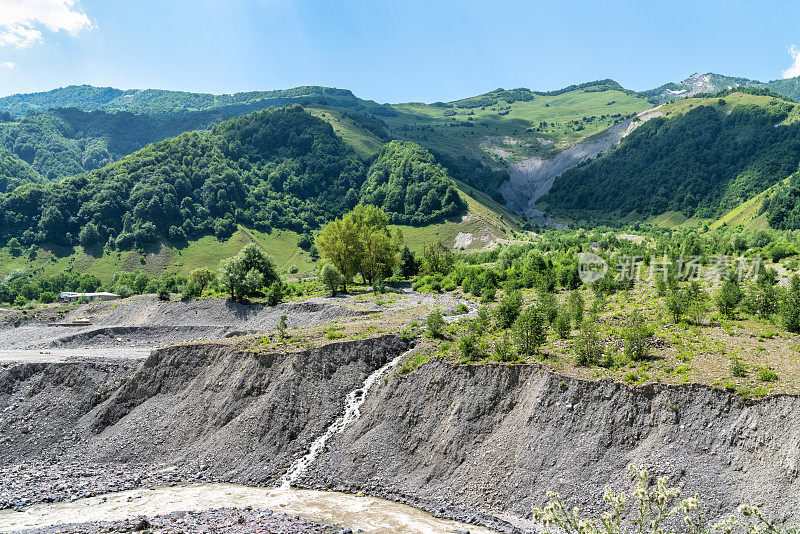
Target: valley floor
[(222, 397)]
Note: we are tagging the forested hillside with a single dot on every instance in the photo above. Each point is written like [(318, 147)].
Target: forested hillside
[(281, 168), (709, 157), (410, 186), (15, 172), (158, 101)]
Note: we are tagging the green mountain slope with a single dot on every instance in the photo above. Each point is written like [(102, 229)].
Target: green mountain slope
[(789, 87), (158, 101), (14, 172), (281, 168), (703, 157), (407, 183)]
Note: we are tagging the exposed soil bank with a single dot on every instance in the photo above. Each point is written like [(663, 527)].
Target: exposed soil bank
[(478, 443), (495, 439), (235, 416)]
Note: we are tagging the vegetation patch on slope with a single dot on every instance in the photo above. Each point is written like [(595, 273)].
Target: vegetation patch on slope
[(705, 158)]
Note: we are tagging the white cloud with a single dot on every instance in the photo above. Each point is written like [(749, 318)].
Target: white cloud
[(794, 70), (22, 21), (8, 65)]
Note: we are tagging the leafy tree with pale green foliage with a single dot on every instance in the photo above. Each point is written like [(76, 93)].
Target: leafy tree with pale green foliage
[(790, 307), (331, 277), (202, 277), (529, 330), (339, 244), (437, 258), (379, 245), (247, 273), (729, 297)]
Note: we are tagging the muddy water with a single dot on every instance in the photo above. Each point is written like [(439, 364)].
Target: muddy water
[(367, 513), (352, 411)]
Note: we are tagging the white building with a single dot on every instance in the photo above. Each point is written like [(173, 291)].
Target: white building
[(69, 296)]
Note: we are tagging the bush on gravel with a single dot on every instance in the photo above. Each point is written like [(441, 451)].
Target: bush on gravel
[(654, 506)]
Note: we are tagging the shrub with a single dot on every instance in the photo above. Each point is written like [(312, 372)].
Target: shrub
[(698, 308), (331, 277), (163, 293), (281, 326), (468, 346), (548, 305), (529, 331), (562, 324), (576, 306), (588, 347), (790, 307), (652, 504), (635, 335), (123, 291), (728, 298), (503, 351), (275, 293), (461, 309), (508, 309), (47, 297), (738, 369), (482, 321), (766, 374), (677, 303), (190, 290), (435, 323), (489, 294)]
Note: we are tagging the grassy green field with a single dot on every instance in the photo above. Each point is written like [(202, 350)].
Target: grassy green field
[(204, 252), (485, 218), (463, 133), (679, 107), (365, 143)]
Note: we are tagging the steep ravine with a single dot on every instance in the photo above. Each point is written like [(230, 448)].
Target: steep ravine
[(493, 440), (530, 179)]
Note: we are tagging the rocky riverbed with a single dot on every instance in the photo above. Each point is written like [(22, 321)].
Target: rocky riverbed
[(221, 520)]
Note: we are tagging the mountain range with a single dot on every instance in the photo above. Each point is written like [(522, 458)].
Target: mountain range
[(115, 168)]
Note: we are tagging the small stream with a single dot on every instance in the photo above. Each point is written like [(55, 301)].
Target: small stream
[(370, 514), (352, 406)]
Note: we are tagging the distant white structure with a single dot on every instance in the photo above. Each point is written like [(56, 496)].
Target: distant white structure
[(69, 296)]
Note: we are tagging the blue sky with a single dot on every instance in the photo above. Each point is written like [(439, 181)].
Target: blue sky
[(389, 51)]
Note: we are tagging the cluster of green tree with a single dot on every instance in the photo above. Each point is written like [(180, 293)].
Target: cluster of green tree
[(524, 95), (358, 243), (277, 168), (19, 287), (67, 141), (789, 87), (699, 163), (753, 90), (474, 173), (251, 273), (14, 172), (783, 206), (157, 101), (411, 188)]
